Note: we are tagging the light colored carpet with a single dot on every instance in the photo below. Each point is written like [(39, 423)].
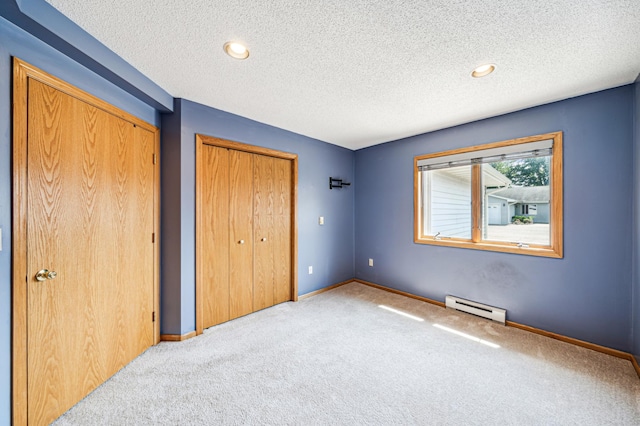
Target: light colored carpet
[(340, 359)]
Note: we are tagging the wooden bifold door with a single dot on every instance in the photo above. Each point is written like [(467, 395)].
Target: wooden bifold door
[(245, 230)]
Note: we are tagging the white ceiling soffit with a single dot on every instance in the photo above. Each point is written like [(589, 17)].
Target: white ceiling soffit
[(358, 73)]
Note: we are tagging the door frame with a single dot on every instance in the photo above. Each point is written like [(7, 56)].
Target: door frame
[(22, 72), (238, 146)]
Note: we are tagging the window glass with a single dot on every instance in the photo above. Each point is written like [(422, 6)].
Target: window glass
[(447, 194), (517, 210), (503, 196)]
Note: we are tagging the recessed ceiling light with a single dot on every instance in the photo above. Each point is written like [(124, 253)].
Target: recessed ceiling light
[(483, 70), (236, 50)]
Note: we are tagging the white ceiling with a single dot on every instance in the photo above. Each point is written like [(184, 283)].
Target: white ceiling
[(357, 73)]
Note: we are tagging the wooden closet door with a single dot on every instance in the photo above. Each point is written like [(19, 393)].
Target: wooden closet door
[(215, 233), (282, 230), (264, 273), (241, 234), (90, 218)]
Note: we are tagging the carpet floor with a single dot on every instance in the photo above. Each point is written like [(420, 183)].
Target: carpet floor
[(352, 356)]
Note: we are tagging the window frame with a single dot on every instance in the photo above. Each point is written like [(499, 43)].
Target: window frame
[(555, 247)]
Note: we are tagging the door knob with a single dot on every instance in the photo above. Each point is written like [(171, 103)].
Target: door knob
[(45, 274), (264, 239), (241, 242)]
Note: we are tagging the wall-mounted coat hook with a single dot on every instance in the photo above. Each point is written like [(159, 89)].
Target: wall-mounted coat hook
[(337, 183)]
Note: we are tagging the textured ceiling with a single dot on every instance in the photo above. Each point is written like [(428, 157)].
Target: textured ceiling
[(358, 73)]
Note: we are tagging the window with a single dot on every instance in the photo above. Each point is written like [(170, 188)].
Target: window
[(504, 196)]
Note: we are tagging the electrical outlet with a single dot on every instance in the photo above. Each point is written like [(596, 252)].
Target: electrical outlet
[(310, 270), (370, 262)]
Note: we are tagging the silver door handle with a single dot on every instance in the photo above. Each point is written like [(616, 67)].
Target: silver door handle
[(45, 274)]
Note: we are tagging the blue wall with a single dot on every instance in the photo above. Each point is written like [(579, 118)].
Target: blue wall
[(636, 219), (171, 171), (328, 248), (16, 42), (586, 295)]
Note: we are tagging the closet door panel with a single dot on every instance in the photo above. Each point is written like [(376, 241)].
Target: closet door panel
[(263, 280), (264, 186), (282, 230), (241, 233), (215, 221)]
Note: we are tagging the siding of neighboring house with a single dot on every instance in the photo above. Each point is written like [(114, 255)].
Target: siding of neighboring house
[(449, 210), (542, 215), (518, 197)]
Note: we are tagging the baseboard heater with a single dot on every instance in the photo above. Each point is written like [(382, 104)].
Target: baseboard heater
[(484, 311)]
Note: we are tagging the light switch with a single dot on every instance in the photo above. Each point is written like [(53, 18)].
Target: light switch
[(321, 220), (310, 270)]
